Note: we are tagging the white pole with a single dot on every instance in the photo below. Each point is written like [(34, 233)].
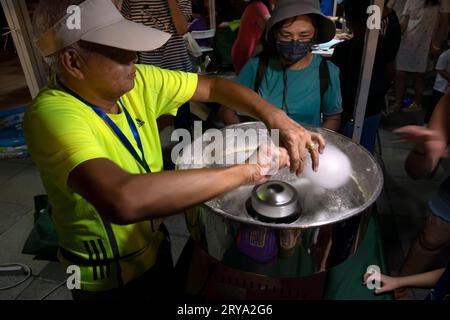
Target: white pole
[(19, 23), (368, 60), (212, 14)]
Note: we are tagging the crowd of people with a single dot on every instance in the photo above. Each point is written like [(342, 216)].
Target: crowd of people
[(104, 175)]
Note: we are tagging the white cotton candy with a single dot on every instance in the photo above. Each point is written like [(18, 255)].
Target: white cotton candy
[(335, 169)]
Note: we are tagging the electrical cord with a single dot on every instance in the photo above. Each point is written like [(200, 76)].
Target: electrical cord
[(28, 275), (27, 270)]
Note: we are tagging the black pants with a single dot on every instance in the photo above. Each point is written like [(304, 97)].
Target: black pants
[(157, 283)]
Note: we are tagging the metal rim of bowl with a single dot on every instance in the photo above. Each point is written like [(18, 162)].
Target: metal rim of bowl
[(292, 225)]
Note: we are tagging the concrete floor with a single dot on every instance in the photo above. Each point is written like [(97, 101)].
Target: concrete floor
[(402, 207)]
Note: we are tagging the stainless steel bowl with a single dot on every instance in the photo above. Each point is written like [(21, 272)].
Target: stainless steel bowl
[(328, 231)]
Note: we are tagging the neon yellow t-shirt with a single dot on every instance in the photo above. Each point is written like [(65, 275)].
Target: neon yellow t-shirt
[(62, 132)]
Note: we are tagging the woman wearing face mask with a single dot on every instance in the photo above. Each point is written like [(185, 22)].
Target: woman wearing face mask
[(287, 74)]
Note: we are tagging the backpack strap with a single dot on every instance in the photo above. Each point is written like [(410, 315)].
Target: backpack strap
[(324, 75)]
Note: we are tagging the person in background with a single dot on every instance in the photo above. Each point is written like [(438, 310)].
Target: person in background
[(287, 74), (348, 57), (430, 145), (390, 27), (419, 21), (171, 16), (441, 82), (253, 23), (391, 35), (442, 35)]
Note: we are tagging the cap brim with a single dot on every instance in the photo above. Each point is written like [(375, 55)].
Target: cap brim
[(128, 35)]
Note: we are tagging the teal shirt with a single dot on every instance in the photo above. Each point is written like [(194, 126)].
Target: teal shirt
[(303, 89)]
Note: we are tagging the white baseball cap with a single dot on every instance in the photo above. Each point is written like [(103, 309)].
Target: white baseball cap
[(101, 23)]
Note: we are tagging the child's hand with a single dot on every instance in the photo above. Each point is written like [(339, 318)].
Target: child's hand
[(425, 141), (387, 283)]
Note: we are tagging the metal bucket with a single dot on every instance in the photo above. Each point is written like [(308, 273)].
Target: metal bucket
[(329, 230)]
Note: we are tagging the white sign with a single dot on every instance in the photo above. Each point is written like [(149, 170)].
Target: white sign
[(374, 20), (74, 280)]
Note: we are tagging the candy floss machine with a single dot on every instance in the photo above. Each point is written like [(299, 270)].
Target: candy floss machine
[(278, 239)]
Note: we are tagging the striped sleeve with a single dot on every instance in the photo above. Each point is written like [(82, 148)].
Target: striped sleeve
[(186, 8)]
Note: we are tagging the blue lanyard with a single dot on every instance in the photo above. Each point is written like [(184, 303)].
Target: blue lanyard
[(116, 129)]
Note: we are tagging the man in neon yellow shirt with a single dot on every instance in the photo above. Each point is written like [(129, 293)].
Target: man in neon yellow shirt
[(92, 133)]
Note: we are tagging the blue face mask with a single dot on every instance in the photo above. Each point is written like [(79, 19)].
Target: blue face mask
[(293, 51)]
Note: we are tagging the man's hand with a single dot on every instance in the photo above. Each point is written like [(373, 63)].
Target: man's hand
[(294, 137), (297, 140), (266, 161)]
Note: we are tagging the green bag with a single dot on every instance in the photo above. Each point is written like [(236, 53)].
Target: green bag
[(42, 241)]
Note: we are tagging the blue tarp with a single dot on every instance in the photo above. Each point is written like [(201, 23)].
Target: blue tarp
[(11, 134)]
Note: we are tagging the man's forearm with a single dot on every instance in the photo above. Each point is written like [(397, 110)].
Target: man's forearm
[(243, 100), (161, 194)]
